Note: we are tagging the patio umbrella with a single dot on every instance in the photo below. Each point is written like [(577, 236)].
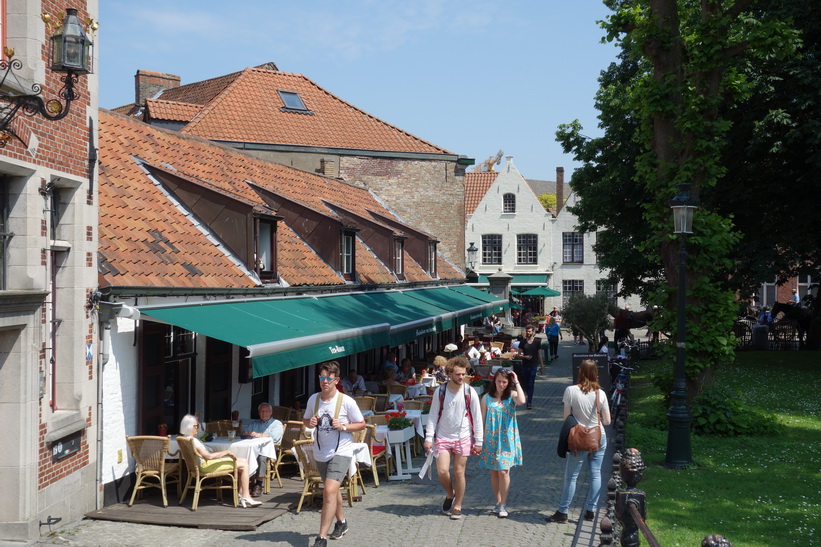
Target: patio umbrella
[(542, 291)]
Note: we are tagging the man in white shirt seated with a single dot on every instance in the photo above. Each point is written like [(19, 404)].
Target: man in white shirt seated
[(354, 384), (475, 352), (266, 426)]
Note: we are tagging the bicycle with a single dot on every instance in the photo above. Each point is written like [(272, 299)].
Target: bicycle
[(619, 383)]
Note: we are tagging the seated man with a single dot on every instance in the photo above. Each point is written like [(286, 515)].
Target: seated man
[(266, 426), (354, 384), (492, 324), (474, 352), (390, 362), (795, 300)]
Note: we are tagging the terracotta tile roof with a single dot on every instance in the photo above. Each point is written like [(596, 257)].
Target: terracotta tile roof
[(145, 240), (245, 107), (171, 110), (298, 264), (369, 268), (413, 271), (476, 186), (446, 270)]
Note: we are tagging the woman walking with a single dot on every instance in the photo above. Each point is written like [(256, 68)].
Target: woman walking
[(554, 334), (502, 449), (580, 400)]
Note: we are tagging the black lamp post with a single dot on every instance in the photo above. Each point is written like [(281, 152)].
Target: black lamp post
[(471, 274), (71, 54), (679, 451)]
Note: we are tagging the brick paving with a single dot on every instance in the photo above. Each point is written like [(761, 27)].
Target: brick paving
[(410, 511)]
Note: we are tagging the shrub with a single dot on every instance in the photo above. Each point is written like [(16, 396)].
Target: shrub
[(722, 412)]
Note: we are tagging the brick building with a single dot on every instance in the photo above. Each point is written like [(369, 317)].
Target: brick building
[(48, 259)]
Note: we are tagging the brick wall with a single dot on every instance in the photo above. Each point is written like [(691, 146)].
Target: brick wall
[(48, 471), (427, 194)]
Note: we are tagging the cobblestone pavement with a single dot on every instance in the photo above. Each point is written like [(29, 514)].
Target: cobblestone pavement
[(410, 511)]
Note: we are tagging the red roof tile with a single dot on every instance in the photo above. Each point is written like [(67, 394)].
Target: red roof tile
[(245, 107), (170, 110), (476, 186), (146, 240)]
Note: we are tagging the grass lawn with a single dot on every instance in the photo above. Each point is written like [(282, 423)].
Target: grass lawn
[(755, 491)]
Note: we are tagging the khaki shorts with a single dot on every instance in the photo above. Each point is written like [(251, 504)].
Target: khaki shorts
[(335, 469)]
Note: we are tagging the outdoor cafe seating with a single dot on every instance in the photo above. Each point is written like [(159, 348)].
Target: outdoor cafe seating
[(196, 479), (153, 471)]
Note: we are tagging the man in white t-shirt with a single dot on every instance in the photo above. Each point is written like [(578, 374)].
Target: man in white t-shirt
[(456, 423), (333, 416)]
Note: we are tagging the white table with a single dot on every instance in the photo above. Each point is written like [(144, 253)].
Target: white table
[(249, 449), (419, 420), (401, 473), (417, 390)]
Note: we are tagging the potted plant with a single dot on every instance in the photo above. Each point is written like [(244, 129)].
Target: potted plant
[(400, 428), (426, 407), (162, 430), (478, 383)]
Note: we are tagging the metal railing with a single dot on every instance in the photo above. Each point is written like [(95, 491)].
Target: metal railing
[(626, 511)]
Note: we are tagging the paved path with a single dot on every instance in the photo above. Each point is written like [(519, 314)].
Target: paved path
[(410, 511)]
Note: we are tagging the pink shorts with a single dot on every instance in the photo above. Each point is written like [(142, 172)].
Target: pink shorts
[(460, 448)]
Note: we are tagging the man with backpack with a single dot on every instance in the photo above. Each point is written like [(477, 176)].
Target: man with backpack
[(334, 416), (458, 431)]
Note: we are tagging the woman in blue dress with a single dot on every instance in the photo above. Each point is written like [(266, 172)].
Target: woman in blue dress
[(502, 448)]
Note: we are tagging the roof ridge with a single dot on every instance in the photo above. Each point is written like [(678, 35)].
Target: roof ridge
[(218, 98)]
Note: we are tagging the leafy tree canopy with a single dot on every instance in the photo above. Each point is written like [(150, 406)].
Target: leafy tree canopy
[(548, 201)]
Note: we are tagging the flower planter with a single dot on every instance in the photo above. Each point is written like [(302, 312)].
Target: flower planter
[(400, 435)]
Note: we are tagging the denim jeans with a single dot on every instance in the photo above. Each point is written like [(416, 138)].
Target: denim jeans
[(528, 380), (571, 474)]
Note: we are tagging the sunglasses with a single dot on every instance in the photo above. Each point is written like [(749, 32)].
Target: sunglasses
[(327, 378)]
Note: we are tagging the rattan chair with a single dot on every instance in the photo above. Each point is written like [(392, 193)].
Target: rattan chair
[(380, 455), (196, 477), (366, 403), (381, 402), (413, 404), (150, 454), (377, 419), (217, 427), (398, 389), (292, 432), (312, 481), (281, 413)]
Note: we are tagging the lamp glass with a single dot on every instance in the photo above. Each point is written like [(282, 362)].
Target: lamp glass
[(71, 47), (472, 250), (683, 218)]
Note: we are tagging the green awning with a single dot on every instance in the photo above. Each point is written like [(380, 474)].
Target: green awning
[(498, 305), (522, 279), (285, 333), (467, 309)]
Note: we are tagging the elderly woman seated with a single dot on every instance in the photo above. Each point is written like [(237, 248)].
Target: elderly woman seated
[(217, 461), (406, 372)]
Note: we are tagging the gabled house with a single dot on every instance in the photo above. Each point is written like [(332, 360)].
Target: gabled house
[(224, 278), (288, 118), (48, 244), (514, 233)]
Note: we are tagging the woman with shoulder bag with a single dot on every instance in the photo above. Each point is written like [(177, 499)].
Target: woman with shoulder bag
[(588, 404)]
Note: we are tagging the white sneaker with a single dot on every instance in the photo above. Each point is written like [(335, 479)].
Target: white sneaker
[(495, 509), (502, 512)]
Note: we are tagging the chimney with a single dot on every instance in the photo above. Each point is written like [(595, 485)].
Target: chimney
[(147, 84), (559, 189)]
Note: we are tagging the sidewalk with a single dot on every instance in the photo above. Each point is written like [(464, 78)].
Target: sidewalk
[(410, 511)]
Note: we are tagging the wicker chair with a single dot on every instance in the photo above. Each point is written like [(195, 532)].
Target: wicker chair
[(292, 432), (398, 389), (312, 481), (380, 455), (365, 403), (196, 477), (217, 428), (281, 413), (414, 404), (381, 402), (377, 419), (150, 454)]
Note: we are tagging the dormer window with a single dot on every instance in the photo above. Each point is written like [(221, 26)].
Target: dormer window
[(509, 203), (266, 256), (399, 258), (432, 258), (348, 256), (292, 101)]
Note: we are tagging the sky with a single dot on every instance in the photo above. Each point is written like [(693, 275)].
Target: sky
[(471, 76)]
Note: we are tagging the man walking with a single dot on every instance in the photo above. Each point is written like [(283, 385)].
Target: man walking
[(334, 416), (458, 431), (529, 350), (266, 426)]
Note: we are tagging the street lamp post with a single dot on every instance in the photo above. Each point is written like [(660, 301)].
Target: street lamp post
[(679, 451), (470, 274)]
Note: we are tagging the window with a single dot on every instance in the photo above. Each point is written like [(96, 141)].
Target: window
[(432, 259), (509, 203), (292, 100), (399, 257), (604, 286), (347, 251), (572, 248), (805, 286), (527, 249), (492, 249), (267, 249), (5, 234), (766, 294), (571, 287)]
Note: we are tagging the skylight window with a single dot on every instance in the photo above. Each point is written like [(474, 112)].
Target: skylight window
[(291, 100)]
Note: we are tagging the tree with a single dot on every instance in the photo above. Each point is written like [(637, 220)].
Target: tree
[(548, 201), (664, 114), (589, 314)]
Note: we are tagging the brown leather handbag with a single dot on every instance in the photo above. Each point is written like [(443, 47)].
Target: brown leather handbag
[(581, 439)]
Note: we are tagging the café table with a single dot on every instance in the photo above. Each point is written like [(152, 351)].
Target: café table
[(417, 390), (361, 455), (401, 472), (249, 449)]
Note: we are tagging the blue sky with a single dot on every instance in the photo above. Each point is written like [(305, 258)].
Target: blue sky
[(471, 76)]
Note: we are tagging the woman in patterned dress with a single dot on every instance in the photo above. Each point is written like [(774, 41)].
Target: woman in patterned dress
[(502, 448)]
